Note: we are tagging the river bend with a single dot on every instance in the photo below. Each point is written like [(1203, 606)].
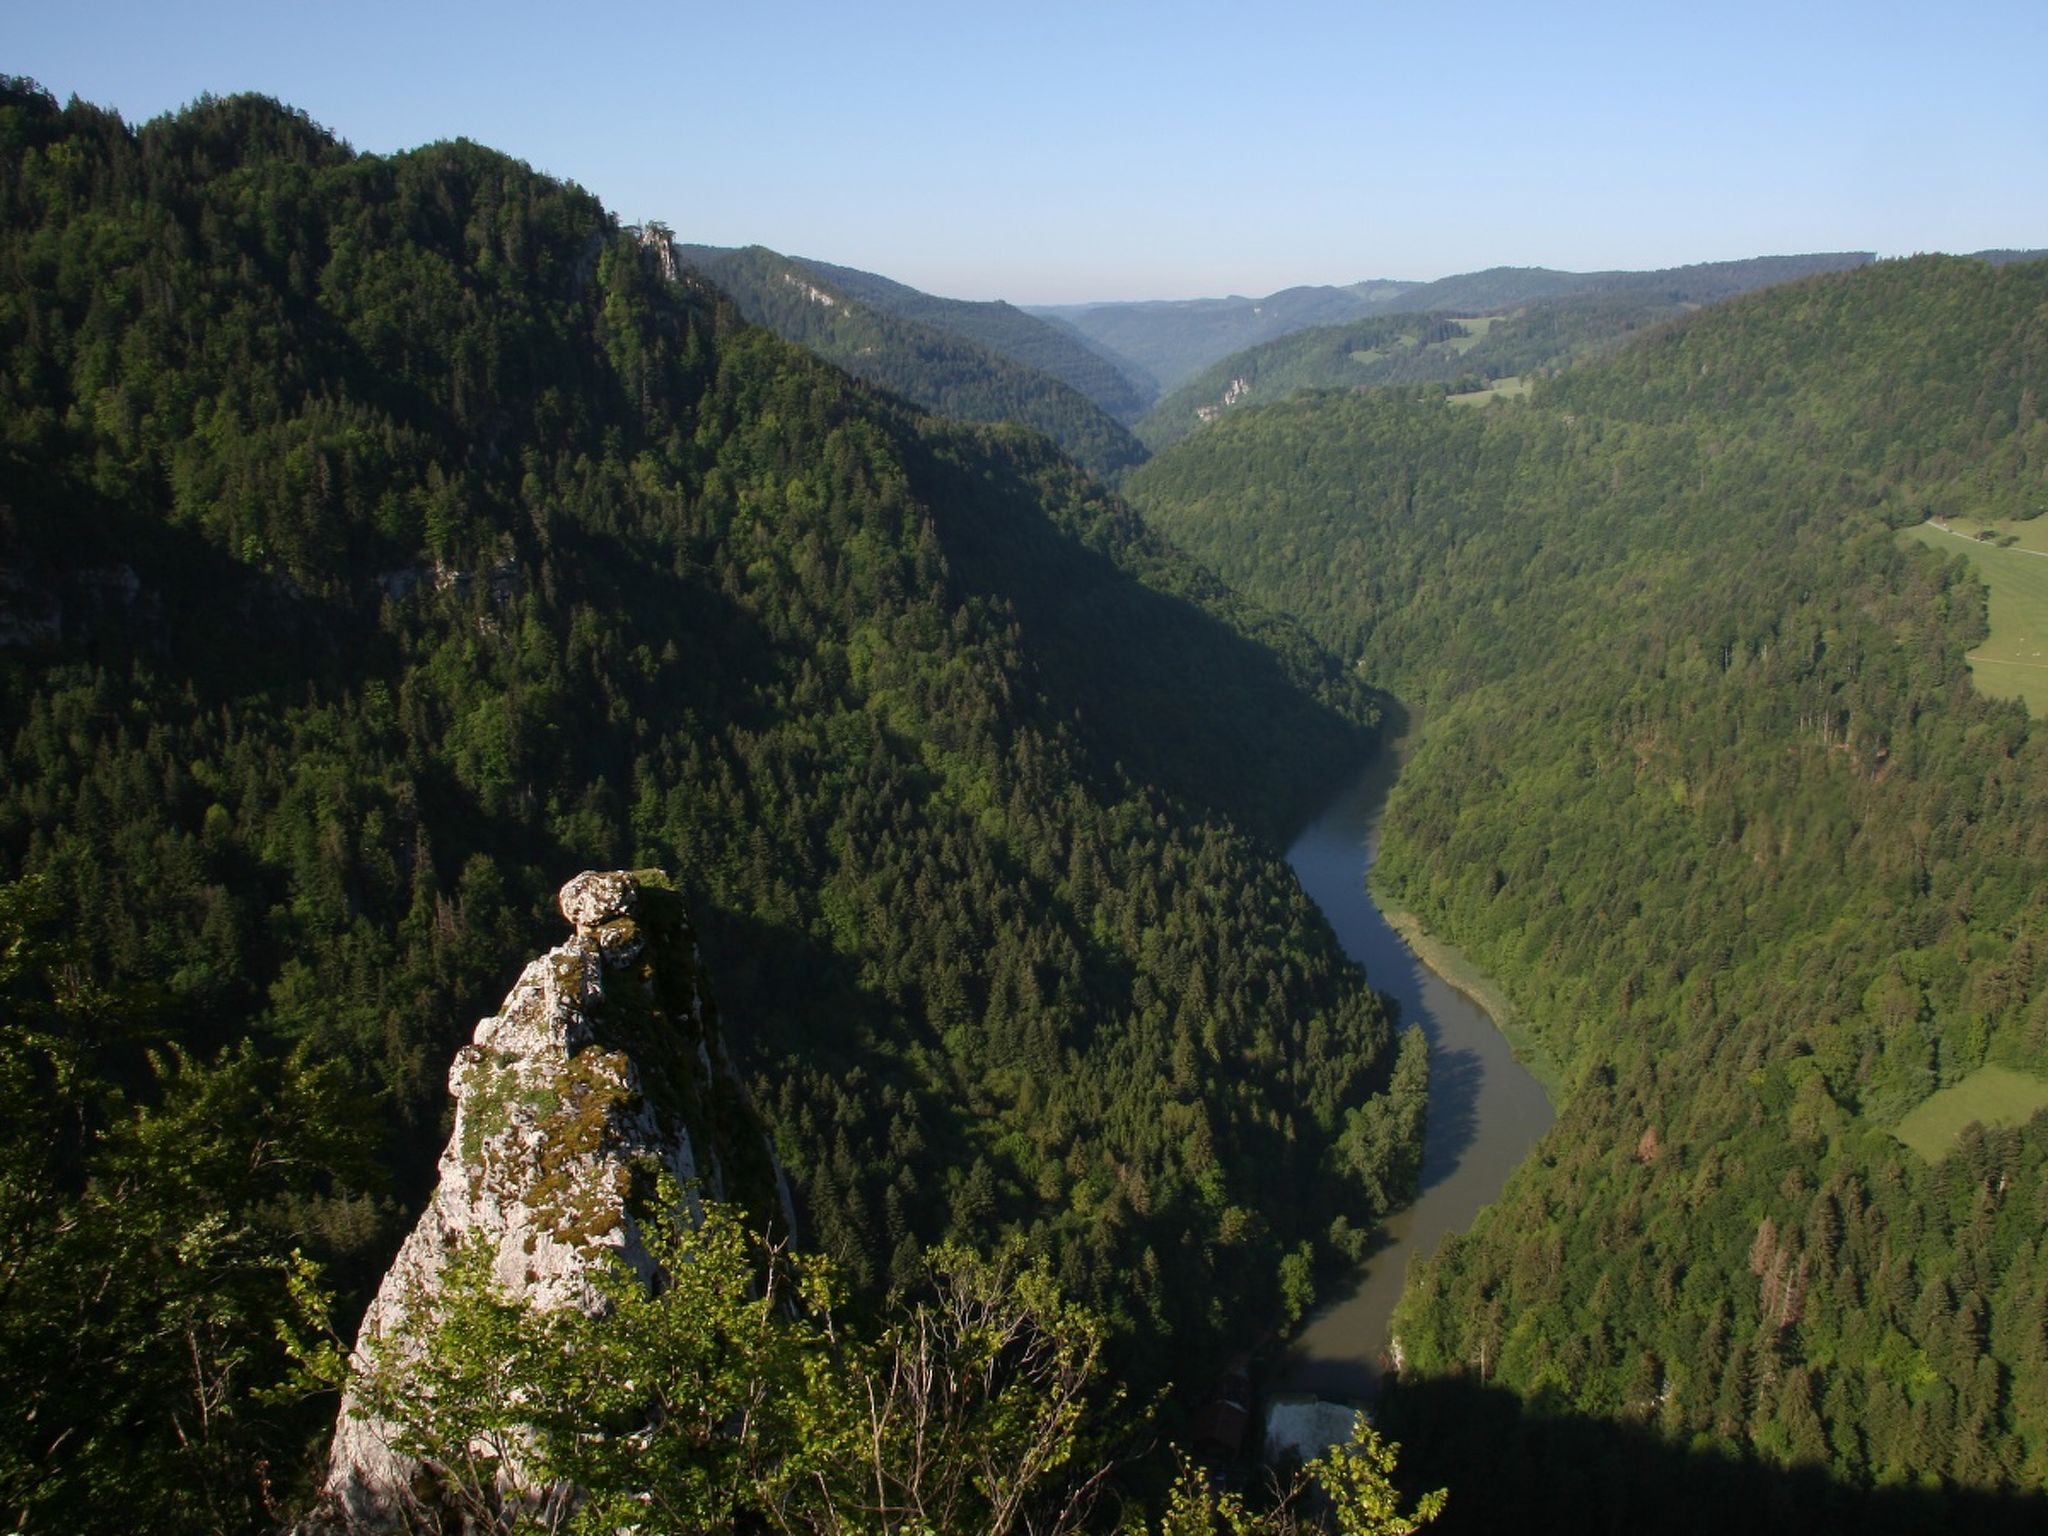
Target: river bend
[(1485, 1110)]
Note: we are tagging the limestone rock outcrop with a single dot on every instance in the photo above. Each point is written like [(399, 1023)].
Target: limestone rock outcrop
[(603, 1066)]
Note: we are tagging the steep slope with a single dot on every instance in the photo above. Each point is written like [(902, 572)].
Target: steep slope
[(1142, 381), (601, 1074), (1707, 787), (385, 537), (1003, 329), (940, 364)]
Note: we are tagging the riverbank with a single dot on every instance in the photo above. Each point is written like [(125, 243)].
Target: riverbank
[(1457, 970), (1486, 1107)]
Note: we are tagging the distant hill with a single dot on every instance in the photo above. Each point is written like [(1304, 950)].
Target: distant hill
[(1702, 283), (1545, 329), (1174, 341), (895, 337), (1141, 378), (1170, 340), (1384, 290)]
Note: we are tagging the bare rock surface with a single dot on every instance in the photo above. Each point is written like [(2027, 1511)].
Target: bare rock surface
[(596, 1070)]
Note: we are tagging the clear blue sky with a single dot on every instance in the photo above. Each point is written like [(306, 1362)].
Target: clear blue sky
[(1046, 151)]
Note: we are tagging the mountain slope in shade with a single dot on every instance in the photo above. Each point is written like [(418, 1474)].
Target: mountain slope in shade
[(867, 327), (383, 538)]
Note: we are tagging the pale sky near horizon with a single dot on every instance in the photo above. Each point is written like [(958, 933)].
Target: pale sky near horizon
[(1057, 152)]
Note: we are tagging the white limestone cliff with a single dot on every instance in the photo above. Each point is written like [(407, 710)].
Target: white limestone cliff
[(602, 1065)]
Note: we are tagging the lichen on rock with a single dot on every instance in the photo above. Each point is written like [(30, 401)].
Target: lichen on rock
[(595, 1076), (594, 898)]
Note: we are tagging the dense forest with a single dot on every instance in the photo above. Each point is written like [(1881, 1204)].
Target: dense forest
[(971, 362), (385, 539), (1706, 787)]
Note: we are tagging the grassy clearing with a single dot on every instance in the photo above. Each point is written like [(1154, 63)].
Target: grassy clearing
[(1452, 964), (2032, 534), (1475, 332), (1502, 389), (1989, 1096), (2012, 663)]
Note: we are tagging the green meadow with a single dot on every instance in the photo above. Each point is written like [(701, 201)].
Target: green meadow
[(1476, 328), (1504, 389), (1989, 1095), (2012, 663)]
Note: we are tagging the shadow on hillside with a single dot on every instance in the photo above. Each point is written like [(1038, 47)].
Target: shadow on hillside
[(1510, 1467), (768, 979), (1214, 716), (783, 994)]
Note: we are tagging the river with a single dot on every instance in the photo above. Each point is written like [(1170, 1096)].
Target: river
[(1485, 1110)]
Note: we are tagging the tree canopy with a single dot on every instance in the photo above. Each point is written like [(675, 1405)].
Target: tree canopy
[(1706, 786), (384, 539)]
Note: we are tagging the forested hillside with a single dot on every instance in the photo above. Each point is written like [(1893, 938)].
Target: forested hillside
[(1470, 333), (1002, 328), (929, 353), (1463, 354), (1706, 282), (1706, 786), (385, 539), (1174, 340)]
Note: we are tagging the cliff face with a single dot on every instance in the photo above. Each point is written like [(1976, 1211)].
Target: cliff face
[(602, 1070)]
